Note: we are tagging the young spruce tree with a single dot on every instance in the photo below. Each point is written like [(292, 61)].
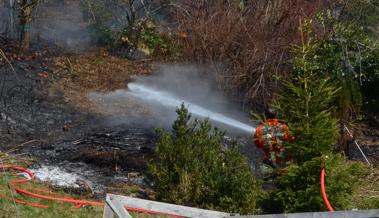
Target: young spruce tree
[(308, 106)]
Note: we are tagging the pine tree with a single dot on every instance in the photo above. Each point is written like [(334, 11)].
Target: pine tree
[(308, 104)]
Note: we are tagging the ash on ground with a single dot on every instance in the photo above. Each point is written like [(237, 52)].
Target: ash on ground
[(96, 160)]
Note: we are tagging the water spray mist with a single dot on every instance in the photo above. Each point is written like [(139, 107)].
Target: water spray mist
[(149, 94)]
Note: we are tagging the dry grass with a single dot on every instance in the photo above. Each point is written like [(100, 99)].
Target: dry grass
[(76, 77), (367, 195)]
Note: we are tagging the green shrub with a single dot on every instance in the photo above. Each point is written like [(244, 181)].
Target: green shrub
[(363, 13), (346, 53), (191, 166), (158, 45), (299, 189)]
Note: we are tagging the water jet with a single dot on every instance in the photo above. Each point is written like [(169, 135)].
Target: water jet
[(167, 99)]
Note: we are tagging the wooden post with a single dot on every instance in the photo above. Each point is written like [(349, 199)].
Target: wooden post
[(108, 212), (118, 204), (114, 208)]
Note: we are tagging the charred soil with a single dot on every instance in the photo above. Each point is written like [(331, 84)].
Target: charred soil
[(43, 101)]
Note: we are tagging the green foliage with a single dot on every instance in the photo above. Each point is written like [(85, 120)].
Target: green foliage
[(151, 38), (192, 167), (370, 90), (363, 13), (307, 104), (345, 53), (367, 202), (158, 44), (299, 189)]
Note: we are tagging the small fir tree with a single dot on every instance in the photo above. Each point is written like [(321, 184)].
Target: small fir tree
[(308, 106)]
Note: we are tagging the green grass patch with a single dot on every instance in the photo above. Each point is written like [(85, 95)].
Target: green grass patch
[(55, 209), (8, 208)]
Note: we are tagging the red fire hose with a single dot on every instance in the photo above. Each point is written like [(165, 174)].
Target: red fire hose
[(138, 210), (44, 197), (323, 192), (67, 200), (24, 202), (78, 203)]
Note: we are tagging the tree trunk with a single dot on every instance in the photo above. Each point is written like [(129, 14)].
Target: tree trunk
[(25, 20)]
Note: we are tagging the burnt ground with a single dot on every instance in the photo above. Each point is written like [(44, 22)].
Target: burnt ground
[(101, 157), (58, 133)]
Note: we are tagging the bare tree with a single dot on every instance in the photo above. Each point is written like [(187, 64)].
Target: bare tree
[(25, 8)]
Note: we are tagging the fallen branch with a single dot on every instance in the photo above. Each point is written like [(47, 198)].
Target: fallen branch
[(14, 148)]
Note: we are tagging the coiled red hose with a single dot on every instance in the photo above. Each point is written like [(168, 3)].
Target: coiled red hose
[(79, 203)]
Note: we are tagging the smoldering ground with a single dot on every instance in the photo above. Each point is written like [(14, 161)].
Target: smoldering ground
[(151, 101)]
